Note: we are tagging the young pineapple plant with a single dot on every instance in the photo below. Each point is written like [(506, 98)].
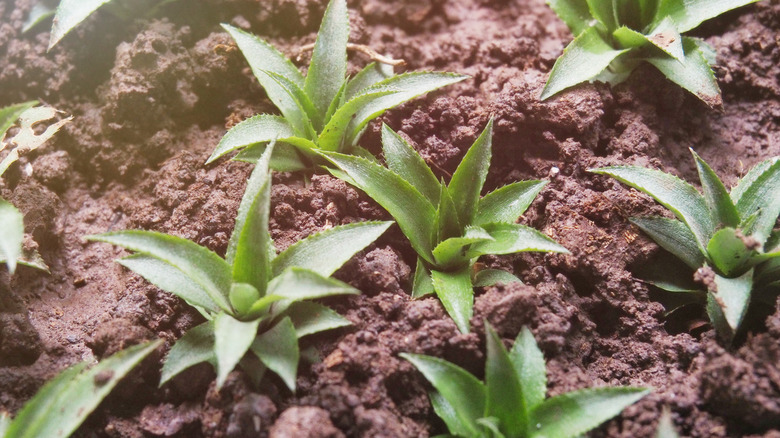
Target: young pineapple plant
[(726, 239), (449, 225), (324, 110), (511, 402), (253, 300), (614, 37)]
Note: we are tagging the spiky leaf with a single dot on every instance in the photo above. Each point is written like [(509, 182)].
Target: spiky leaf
[(402, 159), (333, 135), (574, 13), (759, 193), (309, 318), (491, 277), (277, 348), (456, 293), (530, 368), (371, 74), (232, 339), (466, 184), (673, 236), (196, 346), (329, 60), (506, 400), (258, 129), (728, 252), (692, 73), (716, 195), (453, 250), (507, 203), (732, 298), (69, 14), (514, 238), (688, 14), (422, 284), (10, 114)]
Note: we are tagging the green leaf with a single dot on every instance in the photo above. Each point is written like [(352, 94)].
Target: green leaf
[(5, 423), (37, 15), (336, 103), (491, 277), (69, 14), (423, 284), (604, 12), (452, 252), (329, 60), (62, 404), (466, 395), (243, 296), (232, 339), (574, 13), (627, 12), (750, 178), (456, 293), (692, 73), (411, 210), (466, 184), (10, 114), (732, 299), (250, 245), (689, 14), (410, 85), (307, 117), (505, 393), (309, 318), (262, 58), (759, 194), (507, 203), (673, 193), (666, 425), (728, 252), (530, 368), (491, 424), (11, 234), (333, 135), (200, 264), (584, 59), (326, 251), (447, 224), (196, 346), (277, 348), (446, 412), (514, 238), (288, 156), (574, 413), (258, 129), (673, 236), (716, 195), (649, 8), (170, 279), (402, 159), (371, 74), (665, 37), (298, 284)]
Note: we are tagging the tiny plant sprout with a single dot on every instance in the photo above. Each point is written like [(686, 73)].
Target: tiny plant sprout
[(613, 37), (63, 403), (511, 402), (253, 300), (449, 225), (726, 240), (28, 115), (322, 111)]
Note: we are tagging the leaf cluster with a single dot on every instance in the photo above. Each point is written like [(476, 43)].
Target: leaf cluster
[(613, 37), (511, 402), (323, 110), (63, 403), (448, 225), (253, 300), (727, 237)]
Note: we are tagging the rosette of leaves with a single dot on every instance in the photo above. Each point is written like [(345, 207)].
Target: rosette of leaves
[(727, 239), (63, 403), (253, 300), (26, 140), (613, 37), (322, 111), (511, 402), (449, 225)]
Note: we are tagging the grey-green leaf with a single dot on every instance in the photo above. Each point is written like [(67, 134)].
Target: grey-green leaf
[(572, 414), (728, 251), (278, 349), (453, 250), (491, 277), (196, 346), (466, 184), (411, 210), (604, 12), (673, 236), (716, 195), (258, 129), (297, 284), (326, 251), (507, 203), (733, 298), (333, 135), (514, 238), (422, 284), (456, 294), (462, 391), (584, 59), (371, 74), (506, 398), (402, 159), (232, 339), (65, 402), (309, 318), (666, 425), (574, 13), (329, 60), (307, 118), (10, 114), (528, 361), (69, 14), (688, 14), (202, 265), (760, 195), (673, 193), (692, 73), (446, 412), (11, 234)]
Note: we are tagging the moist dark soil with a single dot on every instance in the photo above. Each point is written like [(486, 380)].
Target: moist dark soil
[(152, 96)]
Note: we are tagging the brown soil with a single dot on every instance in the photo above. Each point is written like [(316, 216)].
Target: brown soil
[(151, 98)]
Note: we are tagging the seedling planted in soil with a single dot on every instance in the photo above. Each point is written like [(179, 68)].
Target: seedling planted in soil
[(63, 403), (449, 226), (254, 300), (323, 111), (511, 402), (613, 37), (727, 238)]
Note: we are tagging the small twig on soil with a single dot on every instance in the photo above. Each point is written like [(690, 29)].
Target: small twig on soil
[(368, 51)]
